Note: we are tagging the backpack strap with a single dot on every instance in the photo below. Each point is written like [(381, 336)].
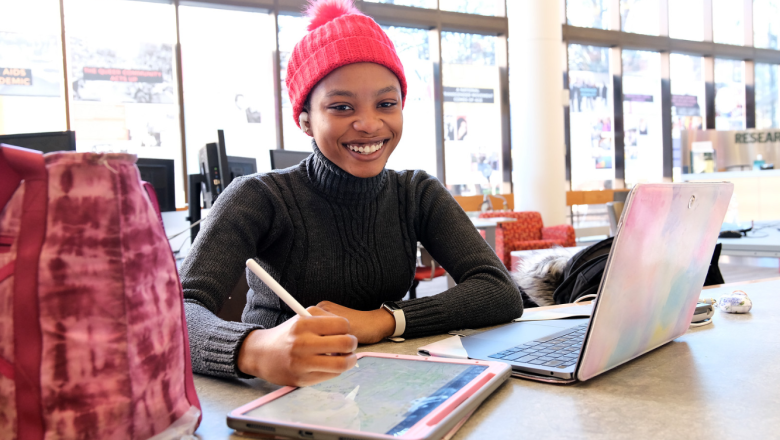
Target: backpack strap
[(17, 165)]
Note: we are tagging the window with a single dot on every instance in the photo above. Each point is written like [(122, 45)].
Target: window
[(481, 7), (766, 15), (32, 95), (417, 149), (640, 16), (643, 139), (588, 13), (688, 109), (686, 19), (472, 113), (122, 82), (291, 30), (430, 4), (767, 95), (728, 21), (729, 95), (590, 108), (229, 82)]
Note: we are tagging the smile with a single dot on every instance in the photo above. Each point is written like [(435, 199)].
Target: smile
[(366, 149)]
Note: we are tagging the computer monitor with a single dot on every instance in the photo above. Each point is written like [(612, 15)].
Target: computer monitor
[(281, 159), (44, 142), (159, 172), (215, 169), (241, 166)]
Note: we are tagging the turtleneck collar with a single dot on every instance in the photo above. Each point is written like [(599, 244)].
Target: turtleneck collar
[(334, 182)]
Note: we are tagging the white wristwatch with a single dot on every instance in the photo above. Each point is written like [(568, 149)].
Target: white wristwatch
[(398, 314)]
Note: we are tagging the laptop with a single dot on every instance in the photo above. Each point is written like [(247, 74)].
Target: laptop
[(647, 296)]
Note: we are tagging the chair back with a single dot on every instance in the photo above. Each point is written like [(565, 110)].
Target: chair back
[(527, 227), (474, 203), (503, 202), (614, 211)]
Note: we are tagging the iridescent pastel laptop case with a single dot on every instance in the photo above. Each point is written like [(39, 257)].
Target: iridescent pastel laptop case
[(655, 272)]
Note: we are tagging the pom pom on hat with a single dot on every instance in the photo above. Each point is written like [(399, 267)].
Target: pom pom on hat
[(339, 34), (321, 12)]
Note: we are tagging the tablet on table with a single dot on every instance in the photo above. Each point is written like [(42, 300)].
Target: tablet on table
[(388, 396)]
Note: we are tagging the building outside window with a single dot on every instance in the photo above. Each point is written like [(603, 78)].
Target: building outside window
[(729, 94), (686, 19), (472, 113), (688, 102), (640, 16), (766, 19), (229, 82), (417, 149), (122, 82), (767, 95), (32, 95), (728, 23), (291, 30), (588, 13), (493, 8), (591, 116), (643, 138)]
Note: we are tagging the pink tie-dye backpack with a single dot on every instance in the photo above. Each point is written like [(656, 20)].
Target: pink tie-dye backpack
[(93, 342)]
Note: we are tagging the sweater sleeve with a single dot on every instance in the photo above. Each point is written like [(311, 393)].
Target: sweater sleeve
[(485, 293), (229, 236)]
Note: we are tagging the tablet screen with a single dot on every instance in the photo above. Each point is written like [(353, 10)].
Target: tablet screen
[(384, 396)]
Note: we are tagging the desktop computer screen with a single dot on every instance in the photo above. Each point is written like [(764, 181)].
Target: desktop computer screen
[(43, 142), (159, 172), (281, 159), (241, 166)]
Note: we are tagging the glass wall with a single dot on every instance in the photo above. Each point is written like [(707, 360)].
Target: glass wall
[(643, 137), (481, 7), (588, 13), (417, 149), (32, 96), (226, 87), (472, 113), (591, 118), (729, 94), (766, 19), (291, 30), (728, 23), (640, 16), (686, 19), (767, 95), (688, 102), (122, 82)]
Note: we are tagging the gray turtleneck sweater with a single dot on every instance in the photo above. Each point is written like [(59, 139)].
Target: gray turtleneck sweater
[(327, 235)]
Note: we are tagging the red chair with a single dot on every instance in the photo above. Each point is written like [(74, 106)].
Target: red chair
[(427, 270), (527, 233)]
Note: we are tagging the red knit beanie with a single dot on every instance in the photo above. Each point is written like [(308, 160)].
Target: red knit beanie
[(338, 35)]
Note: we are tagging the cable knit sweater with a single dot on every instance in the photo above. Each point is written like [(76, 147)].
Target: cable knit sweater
[(327, 235)]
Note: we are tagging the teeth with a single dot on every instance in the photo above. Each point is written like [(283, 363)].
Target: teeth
[(366, 148)]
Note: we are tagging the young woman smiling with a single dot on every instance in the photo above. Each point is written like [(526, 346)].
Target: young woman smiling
[(338, 231)]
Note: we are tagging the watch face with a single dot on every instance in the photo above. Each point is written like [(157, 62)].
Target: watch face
[(390, 305)]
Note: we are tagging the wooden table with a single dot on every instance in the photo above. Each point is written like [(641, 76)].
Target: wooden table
[(719, 381)]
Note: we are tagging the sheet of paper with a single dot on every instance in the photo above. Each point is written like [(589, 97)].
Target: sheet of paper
[(557, 312)]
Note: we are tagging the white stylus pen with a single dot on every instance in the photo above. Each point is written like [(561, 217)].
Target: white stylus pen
[(277, 288)]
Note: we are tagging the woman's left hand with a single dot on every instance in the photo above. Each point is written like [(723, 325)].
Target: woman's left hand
[(369, 327)]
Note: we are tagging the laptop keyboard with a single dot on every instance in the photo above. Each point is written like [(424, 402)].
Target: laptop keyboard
[(560, 351)]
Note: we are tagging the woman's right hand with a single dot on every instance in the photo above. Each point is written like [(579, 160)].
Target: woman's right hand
[(300, 351)]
